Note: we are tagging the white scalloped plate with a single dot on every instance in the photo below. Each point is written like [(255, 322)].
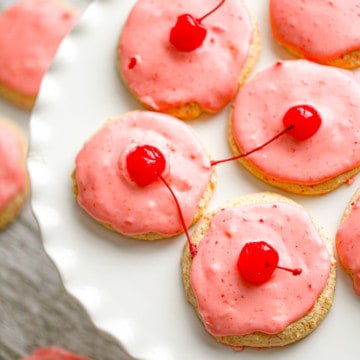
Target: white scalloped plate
[(133, 289)]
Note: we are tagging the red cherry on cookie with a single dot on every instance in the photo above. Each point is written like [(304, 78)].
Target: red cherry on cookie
[(253, 262), (144, 164), (257, 262), (189, 33), (305, 119)]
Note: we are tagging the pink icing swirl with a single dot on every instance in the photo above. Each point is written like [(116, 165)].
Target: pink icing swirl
[(107, 193), (321, 30), (13, 178), (229, 305), (162, 77), (30, 33), (347, 244), (333, 92)]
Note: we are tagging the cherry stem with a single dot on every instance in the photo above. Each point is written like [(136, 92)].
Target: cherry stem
[(192, 246), (210, 12), (216, 162), (295, 272)]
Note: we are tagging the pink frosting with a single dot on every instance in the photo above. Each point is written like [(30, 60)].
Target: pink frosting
[(348, 244), (107, 193), (321, 30), (333, 92), (228, 304), (162, 77), (30, 33), (53, 353), (13, 177)]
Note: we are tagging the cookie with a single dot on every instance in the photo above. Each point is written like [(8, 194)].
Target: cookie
[(347, 240), (186, 83), (115, 181), (14, 182), (288, 303), (53, 353), (30, 33), (326, 32), (318, 164)]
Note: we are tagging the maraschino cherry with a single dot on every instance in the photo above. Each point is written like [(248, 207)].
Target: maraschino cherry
[(306, 121), (145, 165), (189, 33), (257, 262)]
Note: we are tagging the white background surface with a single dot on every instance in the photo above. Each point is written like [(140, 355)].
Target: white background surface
[(131, 288)]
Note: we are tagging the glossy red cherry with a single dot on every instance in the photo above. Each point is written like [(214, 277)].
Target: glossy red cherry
[(306, 121), (253, 262), (144, 164), (257, 262), (189, 33)]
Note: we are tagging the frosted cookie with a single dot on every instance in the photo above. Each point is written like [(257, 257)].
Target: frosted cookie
[(14, 182), (186, 57), (263, 275), (30, 33), (347, 240), (126, 173), (322, 103), (326, 32), (53, 353)]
